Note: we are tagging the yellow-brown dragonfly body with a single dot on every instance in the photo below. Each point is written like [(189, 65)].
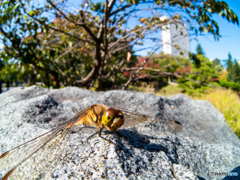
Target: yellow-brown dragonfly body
[(97, 115), (100, 116)]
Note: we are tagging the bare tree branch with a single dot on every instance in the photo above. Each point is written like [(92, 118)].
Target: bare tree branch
[(82, 24), (66, 52), (59, 30)]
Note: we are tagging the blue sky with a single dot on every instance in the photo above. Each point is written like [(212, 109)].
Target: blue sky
[(230, 40)]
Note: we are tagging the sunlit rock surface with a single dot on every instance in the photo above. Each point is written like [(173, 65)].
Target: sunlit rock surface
[(206, 148)]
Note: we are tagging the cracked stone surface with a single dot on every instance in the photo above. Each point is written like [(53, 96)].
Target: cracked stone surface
[(206, 148)]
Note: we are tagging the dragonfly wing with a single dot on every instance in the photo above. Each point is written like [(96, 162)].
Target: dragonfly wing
[(133, 118), (17, 156), (167, 125), (49, 141)]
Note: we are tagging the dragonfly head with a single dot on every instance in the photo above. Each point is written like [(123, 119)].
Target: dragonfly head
[(112, 119)]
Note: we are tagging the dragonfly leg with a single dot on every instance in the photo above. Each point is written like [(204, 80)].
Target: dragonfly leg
[(100, 135), (92, 135)]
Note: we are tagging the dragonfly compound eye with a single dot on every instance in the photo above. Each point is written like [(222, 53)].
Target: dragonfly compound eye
[(113, 119), (109, 116)]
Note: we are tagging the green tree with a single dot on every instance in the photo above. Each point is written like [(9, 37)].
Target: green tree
[(9, 70), (237, 72), (199, 50), (232, 79), (200, 77), (217, 66), (32, 37), (231, 69)]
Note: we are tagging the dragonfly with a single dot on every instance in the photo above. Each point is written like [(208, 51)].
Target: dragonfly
[(97, 115)]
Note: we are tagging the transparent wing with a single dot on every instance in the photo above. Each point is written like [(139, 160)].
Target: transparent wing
[(133, 118), (51, 140)]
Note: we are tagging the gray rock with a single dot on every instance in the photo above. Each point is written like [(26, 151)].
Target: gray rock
[(206, 148)]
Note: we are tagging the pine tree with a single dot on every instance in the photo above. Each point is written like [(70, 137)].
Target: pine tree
[(199, 49), (230, 69), (217, 65), (237, 72)]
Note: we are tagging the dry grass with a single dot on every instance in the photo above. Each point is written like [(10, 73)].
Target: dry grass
[(228, 103)]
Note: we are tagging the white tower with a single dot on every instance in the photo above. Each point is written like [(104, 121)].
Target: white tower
[(175, 38)]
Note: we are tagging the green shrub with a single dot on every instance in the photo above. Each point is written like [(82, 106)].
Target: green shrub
[(234, 86)]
